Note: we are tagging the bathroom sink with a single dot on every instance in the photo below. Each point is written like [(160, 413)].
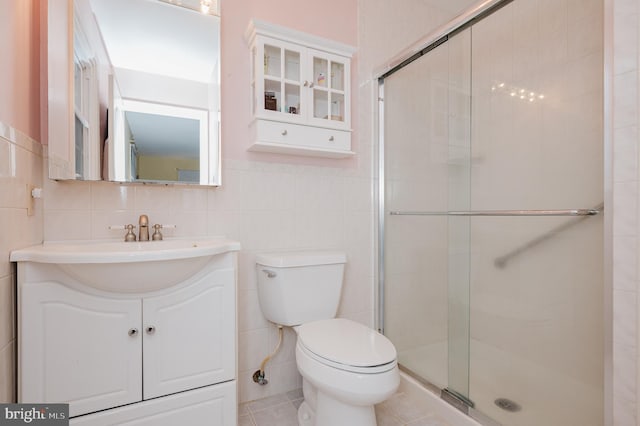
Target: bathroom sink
[(133, 267)]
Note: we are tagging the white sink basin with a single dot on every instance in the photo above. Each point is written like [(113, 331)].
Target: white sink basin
[(135, 267)]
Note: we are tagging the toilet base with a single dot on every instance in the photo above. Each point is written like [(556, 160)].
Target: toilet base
[(331, 412), (306, 415)]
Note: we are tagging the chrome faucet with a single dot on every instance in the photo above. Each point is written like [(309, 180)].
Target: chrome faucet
[(143, 226)]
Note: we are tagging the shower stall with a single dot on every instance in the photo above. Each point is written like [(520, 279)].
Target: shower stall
[(491, 213)]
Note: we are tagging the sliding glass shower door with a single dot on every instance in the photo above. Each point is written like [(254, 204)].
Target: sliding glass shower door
[(493, 239)]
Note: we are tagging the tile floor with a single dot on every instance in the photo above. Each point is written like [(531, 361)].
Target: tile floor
[(282, 410)]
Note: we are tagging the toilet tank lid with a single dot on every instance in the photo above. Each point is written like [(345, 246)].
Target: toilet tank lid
[(301, 258)]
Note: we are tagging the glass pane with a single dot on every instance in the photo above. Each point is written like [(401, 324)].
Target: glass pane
[(337, 76), (292, 65), (320, 71), (320, 103), (337, 107), (272, 95), (416, 247), (272, 61), (536, 283), (292, 99)]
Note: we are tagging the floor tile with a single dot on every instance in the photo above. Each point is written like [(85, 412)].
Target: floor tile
[(385, 416), (295, 394), (431, 420), (243, 410), (245, 421), (278, 415), (263, 403), (282, 410), (406, 408), (296, 403)]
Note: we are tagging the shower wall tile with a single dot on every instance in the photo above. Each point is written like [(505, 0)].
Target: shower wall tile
[(624, 316), (624, 412), (625, 36), (625, 154), (625, 262), (624, 377), (625, 92), (625, 206), (626, 254)]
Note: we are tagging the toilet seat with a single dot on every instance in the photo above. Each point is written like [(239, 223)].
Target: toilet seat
[(347, 345)]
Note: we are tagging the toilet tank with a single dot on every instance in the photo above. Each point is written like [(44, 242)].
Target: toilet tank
[(299, 287)]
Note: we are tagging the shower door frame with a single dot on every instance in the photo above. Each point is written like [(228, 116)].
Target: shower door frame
[(431, 41)]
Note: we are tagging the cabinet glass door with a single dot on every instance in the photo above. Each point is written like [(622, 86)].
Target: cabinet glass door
[(281, 83), (328, 94)]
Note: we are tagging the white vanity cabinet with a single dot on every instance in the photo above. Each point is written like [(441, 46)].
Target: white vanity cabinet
[(149, 358), (301, 92)]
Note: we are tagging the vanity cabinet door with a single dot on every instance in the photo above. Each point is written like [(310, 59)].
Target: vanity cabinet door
[(77, 348), (189, 336)]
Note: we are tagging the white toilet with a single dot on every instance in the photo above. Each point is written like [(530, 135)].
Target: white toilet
[(346, 367)]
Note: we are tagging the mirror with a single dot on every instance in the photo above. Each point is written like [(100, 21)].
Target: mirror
[(143, 91)]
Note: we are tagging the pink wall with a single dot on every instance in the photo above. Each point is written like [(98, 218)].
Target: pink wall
[(331, 19), (20, 70)]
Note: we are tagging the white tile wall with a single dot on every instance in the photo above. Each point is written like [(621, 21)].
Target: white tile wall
[(626, 226), (20, 166)]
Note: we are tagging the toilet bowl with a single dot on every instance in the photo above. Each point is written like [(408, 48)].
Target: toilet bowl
[(346, 367)]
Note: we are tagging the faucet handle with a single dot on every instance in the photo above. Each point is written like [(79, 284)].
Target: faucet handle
[(157, 235), (130, 237)]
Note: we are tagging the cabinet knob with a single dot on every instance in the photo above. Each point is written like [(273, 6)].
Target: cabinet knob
[(151, 329), (284, 132), (330, 138), (133, 332), (306, 83)]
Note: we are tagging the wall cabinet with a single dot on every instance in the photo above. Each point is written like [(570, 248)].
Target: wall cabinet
[(301, 92), (98, 350)]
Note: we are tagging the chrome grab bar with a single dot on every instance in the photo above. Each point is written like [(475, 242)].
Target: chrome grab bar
[(576, 212)]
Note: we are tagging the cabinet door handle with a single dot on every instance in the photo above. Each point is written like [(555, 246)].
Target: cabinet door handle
[(330, 138), (133, 332), (151, 329), (284, 132)]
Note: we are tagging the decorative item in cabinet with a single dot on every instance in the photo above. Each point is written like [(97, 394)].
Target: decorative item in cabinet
[(305, 83)]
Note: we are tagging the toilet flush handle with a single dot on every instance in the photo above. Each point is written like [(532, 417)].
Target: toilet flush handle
[(270, 274)]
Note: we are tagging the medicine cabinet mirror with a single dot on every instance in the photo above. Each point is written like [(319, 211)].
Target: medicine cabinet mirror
[(134, 90)]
